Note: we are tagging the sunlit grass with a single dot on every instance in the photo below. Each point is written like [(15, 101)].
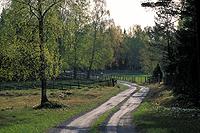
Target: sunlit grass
[(155, 115), (18, 116)]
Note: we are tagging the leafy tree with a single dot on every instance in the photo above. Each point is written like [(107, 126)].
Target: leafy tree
[(150, 56), (76, 20), (31, 28), (116, 42), (129, 49), (99, 18)]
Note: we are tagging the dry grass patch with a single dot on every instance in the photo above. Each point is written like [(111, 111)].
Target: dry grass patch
[(17, 114)]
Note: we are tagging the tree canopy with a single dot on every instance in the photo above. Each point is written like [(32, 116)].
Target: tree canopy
[(39, 40)]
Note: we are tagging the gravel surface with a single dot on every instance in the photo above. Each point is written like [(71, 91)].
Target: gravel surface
[(120, 122)]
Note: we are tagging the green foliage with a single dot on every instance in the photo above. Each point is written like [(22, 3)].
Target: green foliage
[(76, 38), (19, 44), (131, 50), (150, 56), (18, 57)]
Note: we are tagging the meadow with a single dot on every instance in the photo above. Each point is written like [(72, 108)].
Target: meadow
[(18, 116)]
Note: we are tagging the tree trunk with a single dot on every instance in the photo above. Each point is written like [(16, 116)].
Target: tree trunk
[(75, 72), (42, 56), (75, 58), (197, 98), (93, 53), (88, 73)]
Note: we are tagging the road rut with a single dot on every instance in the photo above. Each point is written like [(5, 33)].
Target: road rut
[(121, 121), (82, 123)]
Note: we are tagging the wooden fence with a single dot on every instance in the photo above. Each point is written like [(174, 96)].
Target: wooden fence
[(66, 81), (60, 84), (131, 78)]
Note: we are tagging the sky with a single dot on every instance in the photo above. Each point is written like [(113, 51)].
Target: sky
[(126, 13), (2, 2), (0, 6)]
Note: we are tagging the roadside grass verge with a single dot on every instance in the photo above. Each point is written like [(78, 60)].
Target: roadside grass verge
[(18, 116), (157, 114)]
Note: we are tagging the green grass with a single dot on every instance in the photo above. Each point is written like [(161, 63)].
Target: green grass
[(138, 78), (100, 121), (156, 114), (18, 116)]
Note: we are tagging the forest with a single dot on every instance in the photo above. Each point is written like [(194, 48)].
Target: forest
[(40, 40)]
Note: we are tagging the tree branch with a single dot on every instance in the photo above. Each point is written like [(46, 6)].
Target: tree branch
[(25, 3), (32, 8), (48, 8)]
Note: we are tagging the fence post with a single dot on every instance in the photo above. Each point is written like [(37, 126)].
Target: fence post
[(113, 82), (78, 85), (53, 84)]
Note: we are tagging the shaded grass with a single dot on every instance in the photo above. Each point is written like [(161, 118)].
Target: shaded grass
[(156, 115), (18, 116)]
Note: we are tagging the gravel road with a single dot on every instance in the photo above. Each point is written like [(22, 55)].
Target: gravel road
[(119, 122)]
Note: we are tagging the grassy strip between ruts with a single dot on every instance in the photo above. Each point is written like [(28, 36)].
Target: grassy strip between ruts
[(17, 115), (95, 128), (157, 114)]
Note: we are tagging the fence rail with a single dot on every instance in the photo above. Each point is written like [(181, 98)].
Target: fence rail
[(67, 81), (130, 78), (52, 84)]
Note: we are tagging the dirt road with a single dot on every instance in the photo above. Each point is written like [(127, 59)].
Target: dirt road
[(82, 123), (121, 121)]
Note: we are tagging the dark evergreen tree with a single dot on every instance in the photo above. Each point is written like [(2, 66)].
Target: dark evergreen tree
[(157, 74)]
